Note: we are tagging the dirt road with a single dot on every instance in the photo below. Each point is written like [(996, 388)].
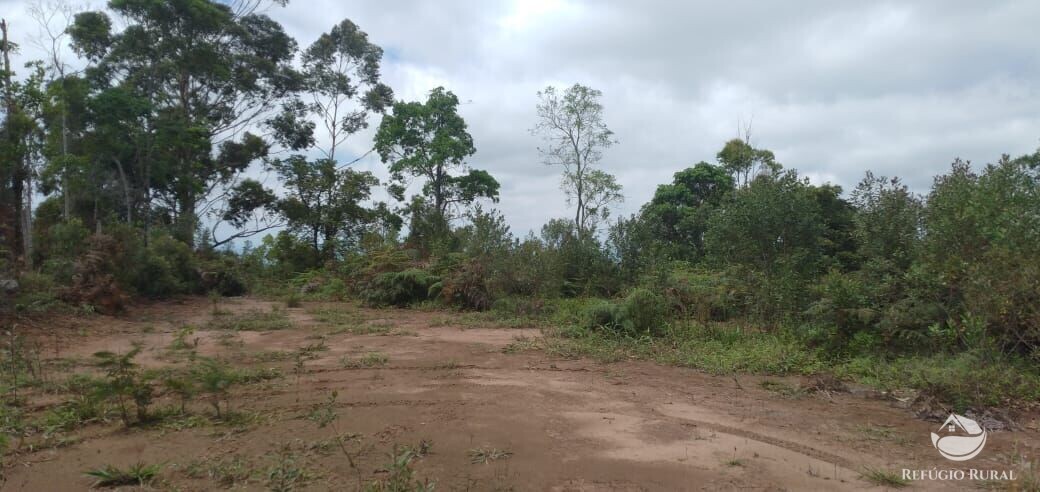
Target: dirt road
[(483, 409)]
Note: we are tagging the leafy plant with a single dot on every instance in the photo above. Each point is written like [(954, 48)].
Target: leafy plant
[(125, 382), (113, 476)]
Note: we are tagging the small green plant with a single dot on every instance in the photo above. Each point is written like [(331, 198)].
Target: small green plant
[(400, 476), (324, 414), (286, 473), (125, 382), (884, 478), (215, 379), (482, 456), (113, 476), (180, 341)]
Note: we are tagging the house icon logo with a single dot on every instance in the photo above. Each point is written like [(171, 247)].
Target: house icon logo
[(960, 438)]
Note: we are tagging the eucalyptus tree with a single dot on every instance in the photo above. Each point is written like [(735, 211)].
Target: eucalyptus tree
[(571, 124), (206, 71), (325, 201)]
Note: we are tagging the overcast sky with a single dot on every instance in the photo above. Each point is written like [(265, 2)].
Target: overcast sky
[(833, 88)]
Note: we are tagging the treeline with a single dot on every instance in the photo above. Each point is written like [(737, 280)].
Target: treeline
[(143, 160)]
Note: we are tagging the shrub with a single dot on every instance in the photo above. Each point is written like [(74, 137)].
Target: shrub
[(166, 267), (643, 312), (399, 288), (93, 282), (125, 382), (703, 296), (467, 286)]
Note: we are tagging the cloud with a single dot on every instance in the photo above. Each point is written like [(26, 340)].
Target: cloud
[(833, 88)]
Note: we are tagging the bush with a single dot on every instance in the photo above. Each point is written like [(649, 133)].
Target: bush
[(399, 288), (221, 275), (93, 282), (166, 267), (704, 296), (467, 287), (643, 312)]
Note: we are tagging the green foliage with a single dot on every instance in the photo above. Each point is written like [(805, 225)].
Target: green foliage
[(430, 140), (125, 383), (399, 288), (137, 474), (214, 379), (642, 312)]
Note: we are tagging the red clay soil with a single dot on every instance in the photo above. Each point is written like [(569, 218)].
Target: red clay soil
[(552, 423)]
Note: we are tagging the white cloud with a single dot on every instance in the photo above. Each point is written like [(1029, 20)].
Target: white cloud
[(833, 88)]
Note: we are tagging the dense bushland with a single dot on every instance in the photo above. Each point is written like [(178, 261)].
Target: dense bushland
[(737, 265)]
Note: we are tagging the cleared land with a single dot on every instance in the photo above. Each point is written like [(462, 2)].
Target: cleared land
[(330, 395)]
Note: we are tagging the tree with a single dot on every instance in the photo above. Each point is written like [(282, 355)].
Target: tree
[(207, 71), (773, 231), (430, 141), (678, 213), (342, 65), (325, 201), (744, 161), (575, 136), (324, 204)]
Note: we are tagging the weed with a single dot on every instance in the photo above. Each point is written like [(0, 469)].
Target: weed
[(214, 379), (521, 344), (286, 473), (125, 382), (400, 477), (225, 472), (180, 339), (486, 455), (113, 476), (371, 359), (883, 478), (324, 414)]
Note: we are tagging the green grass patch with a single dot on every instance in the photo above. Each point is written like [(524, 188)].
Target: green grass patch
[(884, 478)]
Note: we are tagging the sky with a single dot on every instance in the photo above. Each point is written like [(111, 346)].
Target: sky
[(832, 88)]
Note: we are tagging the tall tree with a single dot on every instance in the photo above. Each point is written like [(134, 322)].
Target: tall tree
[(325, 202), (430, 141), (575, 134), (207, 71)]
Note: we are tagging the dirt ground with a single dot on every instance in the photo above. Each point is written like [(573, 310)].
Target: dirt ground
[(543, 422)]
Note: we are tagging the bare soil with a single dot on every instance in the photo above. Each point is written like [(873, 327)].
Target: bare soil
[(557, 424)]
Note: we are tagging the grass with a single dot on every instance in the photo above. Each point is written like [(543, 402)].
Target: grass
[(371, 359), (253, 321), (226, 473), (336, 315), (876, 433), (113, 476), (479, 456), (884, 478), (966, 380)]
